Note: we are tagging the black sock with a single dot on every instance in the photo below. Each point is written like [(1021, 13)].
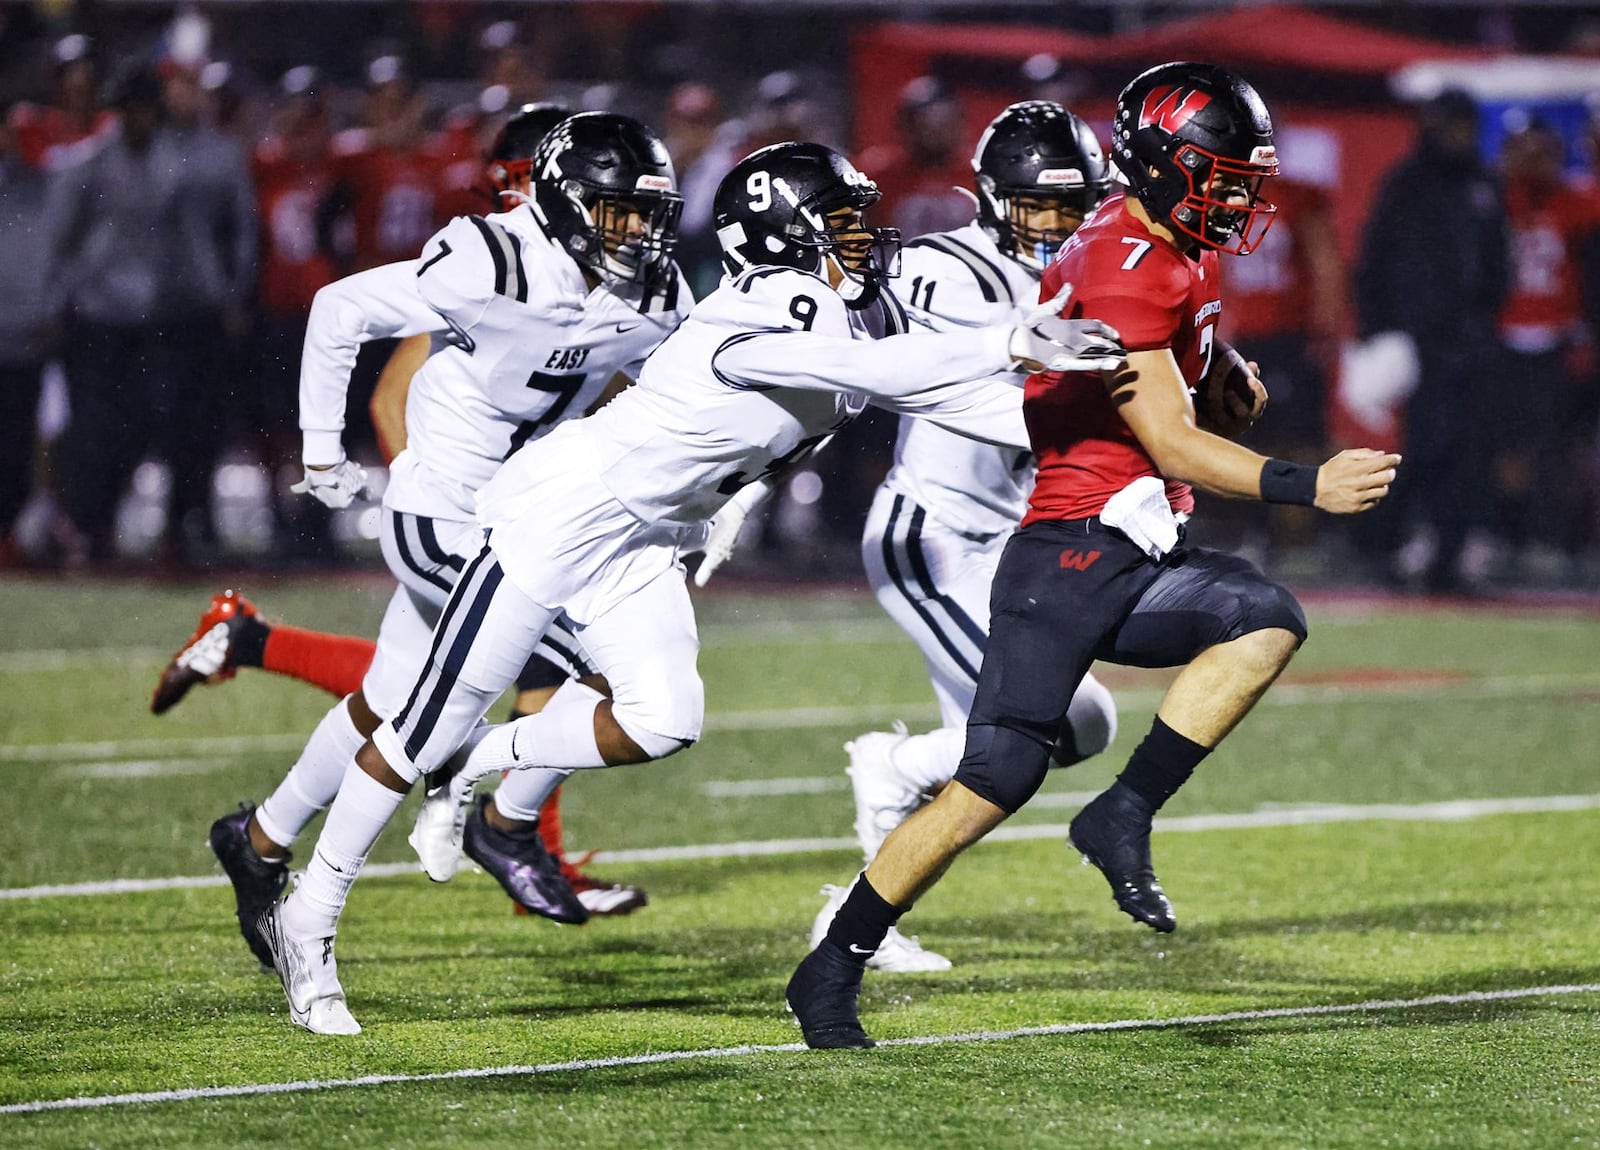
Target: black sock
[(1161, 764), (250, 642), (862, 921)]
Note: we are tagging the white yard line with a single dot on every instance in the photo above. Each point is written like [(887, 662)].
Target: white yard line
[(804, 718), (1454, 810), (578, 1066)]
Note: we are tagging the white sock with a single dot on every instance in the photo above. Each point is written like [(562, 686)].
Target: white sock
[(523, 793), (314, 779), (362, 809), (929, 761), (561, 735)]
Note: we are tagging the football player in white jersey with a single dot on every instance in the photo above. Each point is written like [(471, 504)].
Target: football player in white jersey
[(535, 310), (589, 524), (944, 512)]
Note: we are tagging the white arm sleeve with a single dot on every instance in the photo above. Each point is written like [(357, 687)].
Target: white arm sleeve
[(900, 365), (987, 409), (919, 373), (377, 304)]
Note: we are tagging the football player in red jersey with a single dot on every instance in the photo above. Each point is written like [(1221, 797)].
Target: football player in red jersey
[(1098, 570)]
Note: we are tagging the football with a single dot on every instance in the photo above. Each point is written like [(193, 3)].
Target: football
[(1225, 402)]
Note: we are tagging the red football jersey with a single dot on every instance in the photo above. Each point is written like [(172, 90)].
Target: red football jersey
[(1546, 232), (396, 198), (289, 191), (1155, 296)]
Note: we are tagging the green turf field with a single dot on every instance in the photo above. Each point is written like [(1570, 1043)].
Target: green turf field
[(1386, 883)]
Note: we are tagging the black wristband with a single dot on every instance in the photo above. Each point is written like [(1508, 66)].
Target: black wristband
[(1285, 482)]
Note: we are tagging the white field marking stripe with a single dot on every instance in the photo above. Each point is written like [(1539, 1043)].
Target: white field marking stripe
[(142, 768), (764, 788), (1452, 811), (798, 718), (151, 748), (63, 659), (1375, 1006)]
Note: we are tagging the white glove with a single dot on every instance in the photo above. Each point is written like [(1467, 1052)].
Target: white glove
[(1043, 341), (726, 525), (337, 486)]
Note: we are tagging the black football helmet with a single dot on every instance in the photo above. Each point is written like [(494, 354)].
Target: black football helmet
[(773, 208), (1040, 152), (592, 174), (510, 157), (1194, 142)]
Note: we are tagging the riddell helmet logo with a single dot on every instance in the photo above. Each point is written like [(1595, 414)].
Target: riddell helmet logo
[(1172, 107)]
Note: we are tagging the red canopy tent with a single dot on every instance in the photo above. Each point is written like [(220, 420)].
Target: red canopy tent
[(1316, 71)]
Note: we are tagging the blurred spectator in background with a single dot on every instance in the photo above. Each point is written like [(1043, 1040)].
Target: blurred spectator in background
[(24, 322), (702, 151), (922, 176), (388, 179), (1435, 266), (460, 146), (1542, 444), (105, 266), (52, 135), (152, 250), (784, 109), (294, 179), (507, 60), (1286, 311), (1046, 78), (207, 289)]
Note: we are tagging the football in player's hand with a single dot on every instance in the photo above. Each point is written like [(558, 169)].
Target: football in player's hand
[(1230, 397)]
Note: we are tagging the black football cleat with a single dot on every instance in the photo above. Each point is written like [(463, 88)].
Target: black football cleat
[(822, 993), (530, 874), (1113, 833), (257, 882)]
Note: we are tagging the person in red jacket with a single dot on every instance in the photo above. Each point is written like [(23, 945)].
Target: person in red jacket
[(1541, 435), (1097, 569)]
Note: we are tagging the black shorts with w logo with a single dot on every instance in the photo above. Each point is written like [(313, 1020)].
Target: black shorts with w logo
[(1068, 593)]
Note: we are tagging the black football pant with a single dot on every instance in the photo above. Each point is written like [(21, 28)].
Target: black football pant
[(1068, 593)]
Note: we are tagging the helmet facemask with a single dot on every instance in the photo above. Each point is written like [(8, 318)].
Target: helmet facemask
[(839, 237), (625, 238), (863, 257), (1011, 215), (511, 179), (1223, 208)]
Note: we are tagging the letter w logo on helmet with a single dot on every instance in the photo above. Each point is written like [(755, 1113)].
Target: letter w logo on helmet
[(1171, 108)]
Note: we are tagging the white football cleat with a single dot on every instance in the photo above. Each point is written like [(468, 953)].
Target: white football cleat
[(310, 977), (898, 953), (884, 798), (438, 832)]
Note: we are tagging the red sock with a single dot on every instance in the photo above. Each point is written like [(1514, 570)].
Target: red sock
[(550, 825), (336, 663)]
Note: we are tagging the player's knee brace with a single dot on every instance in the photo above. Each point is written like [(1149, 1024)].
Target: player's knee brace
[(1004, 765), (1241, 600), (663, 722), (1264, 605), (1090, 725)]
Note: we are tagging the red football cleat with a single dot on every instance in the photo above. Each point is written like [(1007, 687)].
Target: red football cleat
[(208, 655)]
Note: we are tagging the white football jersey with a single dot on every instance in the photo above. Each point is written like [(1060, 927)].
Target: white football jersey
[(521, 343), (762, 370), (950, 281)]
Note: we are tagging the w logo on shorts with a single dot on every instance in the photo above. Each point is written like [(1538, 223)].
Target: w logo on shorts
[(1074, 560)]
